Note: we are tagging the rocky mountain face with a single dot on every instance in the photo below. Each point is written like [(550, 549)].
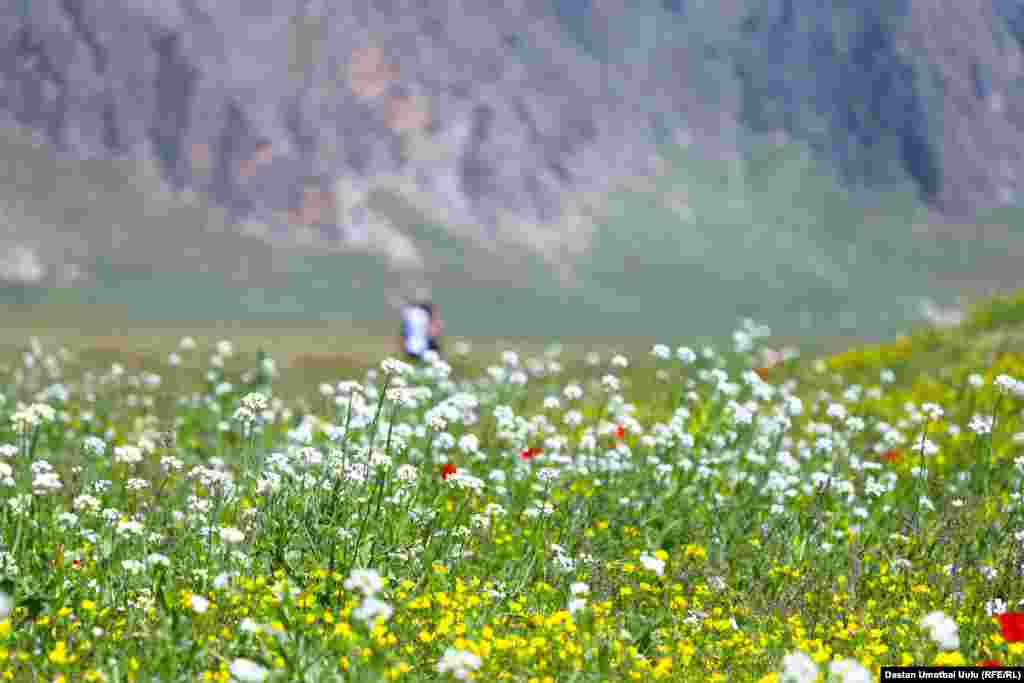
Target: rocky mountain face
[(505, 119)]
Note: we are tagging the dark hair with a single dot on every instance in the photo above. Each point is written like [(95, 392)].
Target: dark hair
[(427, 306)]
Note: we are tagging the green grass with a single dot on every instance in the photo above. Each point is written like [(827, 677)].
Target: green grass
[(642, 539)]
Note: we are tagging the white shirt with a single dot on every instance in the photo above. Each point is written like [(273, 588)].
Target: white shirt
[(417, 324)]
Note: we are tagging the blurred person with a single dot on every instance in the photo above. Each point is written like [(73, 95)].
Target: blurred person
[(421, 329)]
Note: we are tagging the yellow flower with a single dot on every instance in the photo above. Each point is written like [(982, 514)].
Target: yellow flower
[(59, 654), (950, 659), (695, 551)]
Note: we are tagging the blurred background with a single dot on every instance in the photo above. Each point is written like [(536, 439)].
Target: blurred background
[(544, 168)]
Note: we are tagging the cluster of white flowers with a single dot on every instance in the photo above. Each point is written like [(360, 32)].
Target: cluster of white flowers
[(393, 366), (6, 605), (798, 667), (44, 478), (231, 535), (1009, 385), (33, 416), (94, 446), (127, 454), (369, 582), (652, 563), (459, 663), (981, 424), (247, 671), (942, 630)]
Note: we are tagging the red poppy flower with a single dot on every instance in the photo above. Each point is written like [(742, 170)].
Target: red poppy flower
[(892, 455), (448, 470), (990, 663), (620, 432), (529, 453), (1013, 626)]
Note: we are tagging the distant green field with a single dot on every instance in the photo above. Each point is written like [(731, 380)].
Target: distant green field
[(771, 236)]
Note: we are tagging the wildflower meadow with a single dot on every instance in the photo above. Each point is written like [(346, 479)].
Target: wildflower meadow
[(742, 513)]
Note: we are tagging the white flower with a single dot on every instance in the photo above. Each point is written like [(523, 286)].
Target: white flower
[(6, 605), (686, 355), (406, 473), (133, 566), (926, 446), (579, 588), (849, 671), (247, 625), (794, 406), (458, 663), (187, 344), (469, 443), (942, 630), (797, 667), (995, 606), (405, 397), (981, 424), (372, 609), (93, 445), (247, 671), (661, 352), (1005, 384), (157, 559), (368, 581), (393, 366), (836, 410), (128, 455), (378, 459), (33, 416), (653, 564), (255, 402), (576, 604), (547, 474), (933, 410), (199, 604), (350, 388), (231, 535), (573, 392)]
